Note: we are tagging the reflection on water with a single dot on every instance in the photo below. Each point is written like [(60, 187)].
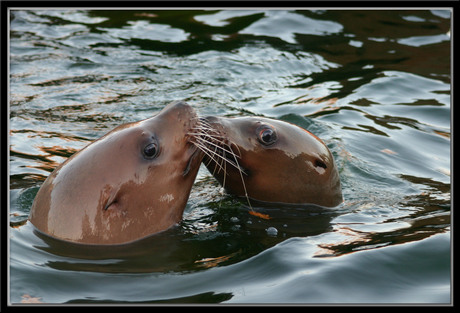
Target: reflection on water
[(204, 241), (373, 84)]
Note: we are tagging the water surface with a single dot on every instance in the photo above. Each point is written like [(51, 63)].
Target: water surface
[(373, 84)]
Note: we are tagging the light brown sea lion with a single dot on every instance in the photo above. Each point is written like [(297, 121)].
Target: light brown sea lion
[(131, 183), (271, 161)]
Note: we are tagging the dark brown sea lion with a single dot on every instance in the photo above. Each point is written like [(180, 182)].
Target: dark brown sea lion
[(271, 161), (132, 182)]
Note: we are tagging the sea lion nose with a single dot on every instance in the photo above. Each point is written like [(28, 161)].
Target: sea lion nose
[(178, 105), (179, 109)]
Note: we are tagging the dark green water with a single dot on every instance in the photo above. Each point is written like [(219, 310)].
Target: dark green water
[(373, 84)]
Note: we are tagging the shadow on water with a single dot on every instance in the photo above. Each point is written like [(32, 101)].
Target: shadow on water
[(195, 37), (207, 297)]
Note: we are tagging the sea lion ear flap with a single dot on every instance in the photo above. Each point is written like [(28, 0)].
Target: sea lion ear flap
[(108, 197)]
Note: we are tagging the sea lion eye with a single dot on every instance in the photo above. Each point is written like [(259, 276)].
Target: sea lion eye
[(151, 150), (267, 135)]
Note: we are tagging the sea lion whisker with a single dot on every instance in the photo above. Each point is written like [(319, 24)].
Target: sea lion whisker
[(218, 163), (242, 181), (215, 152), (210, 160), (208, 135), (203, 125), (203, 134), (210, 153), (215, 166), (202, 144), (222, 144), (223, 162), (235, 156), (204, 122), (239, 151), (223, 182), (217, 145)]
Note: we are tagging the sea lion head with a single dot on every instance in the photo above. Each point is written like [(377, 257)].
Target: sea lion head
[(271, 161), (131, 183)]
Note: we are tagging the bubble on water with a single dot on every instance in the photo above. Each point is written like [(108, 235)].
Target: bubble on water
[(234, 219), (272, 231)]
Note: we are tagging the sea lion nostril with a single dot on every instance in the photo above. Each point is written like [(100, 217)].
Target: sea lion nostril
[(319, 163)]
